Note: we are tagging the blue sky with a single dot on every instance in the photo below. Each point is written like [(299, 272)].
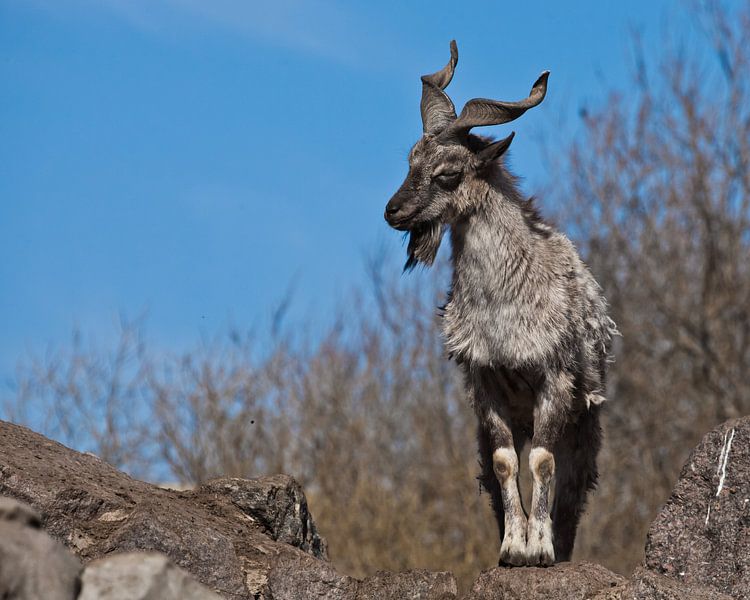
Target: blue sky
[(190, 160)]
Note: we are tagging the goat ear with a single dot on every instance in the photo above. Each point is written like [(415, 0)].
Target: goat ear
[(493, 151)]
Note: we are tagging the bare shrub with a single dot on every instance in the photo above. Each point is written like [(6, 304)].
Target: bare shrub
[(371, 419), (657, 193)]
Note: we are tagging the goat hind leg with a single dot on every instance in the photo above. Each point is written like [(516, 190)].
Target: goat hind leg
[(577, 473)]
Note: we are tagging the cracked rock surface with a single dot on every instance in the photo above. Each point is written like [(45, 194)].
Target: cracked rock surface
[(241, 538), (564, 581), (702, 534)]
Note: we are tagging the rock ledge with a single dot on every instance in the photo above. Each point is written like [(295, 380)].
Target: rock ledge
[(256, 539)]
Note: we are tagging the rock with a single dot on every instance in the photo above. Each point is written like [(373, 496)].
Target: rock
[(241, 538), (96, 510), (702, 534), (140, 576), (570, 581), (13, 511), (278, 504), (564, 581), (647, 585), (416, 584), (33, 565), (256, 538), (301, 578), (621, 591)]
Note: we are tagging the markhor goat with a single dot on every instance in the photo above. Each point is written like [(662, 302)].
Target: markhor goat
[(525, 318)]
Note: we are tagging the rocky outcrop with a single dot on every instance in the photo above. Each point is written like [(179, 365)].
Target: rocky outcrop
[(564, 581), (33, 566), (241, 538), (702, 534), (647, 585), (304, 578), (238, 539), (277, 505), (583, 581)]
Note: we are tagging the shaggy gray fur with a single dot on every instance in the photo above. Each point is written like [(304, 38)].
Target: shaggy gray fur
[(525, 318)]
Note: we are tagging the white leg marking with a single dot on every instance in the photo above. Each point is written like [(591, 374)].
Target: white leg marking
[(539, 548), (513, 547)]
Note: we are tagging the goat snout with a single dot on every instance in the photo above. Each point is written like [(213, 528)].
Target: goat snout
[(391, 209), (394, 212)]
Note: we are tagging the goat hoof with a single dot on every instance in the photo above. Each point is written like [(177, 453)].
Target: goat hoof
[(538, 555), (539, 548), (513, 551)]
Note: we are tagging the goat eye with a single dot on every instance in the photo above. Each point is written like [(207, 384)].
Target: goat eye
[(448, 179)]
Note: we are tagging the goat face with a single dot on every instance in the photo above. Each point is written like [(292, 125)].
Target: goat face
[(446, 161), (437, 173), (439, 183), (438, 189)]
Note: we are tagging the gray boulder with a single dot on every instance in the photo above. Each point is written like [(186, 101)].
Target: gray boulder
[(278, 505), (33, 565), (702, 534), (140, 576)]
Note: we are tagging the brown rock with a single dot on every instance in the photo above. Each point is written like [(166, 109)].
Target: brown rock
[(621, 591), (256, 538), (416, 584), (299, 578), (32, 564), (276, 503), (241, 538), (702, 534), (96, 510), (564, 581), (647, 585)]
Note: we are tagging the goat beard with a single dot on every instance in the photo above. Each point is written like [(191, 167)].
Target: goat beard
[(424, 241)]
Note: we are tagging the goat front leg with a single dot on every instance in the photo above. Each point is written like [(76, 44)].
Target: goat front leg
[(499, 462), (505, 465), (550, 415)]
